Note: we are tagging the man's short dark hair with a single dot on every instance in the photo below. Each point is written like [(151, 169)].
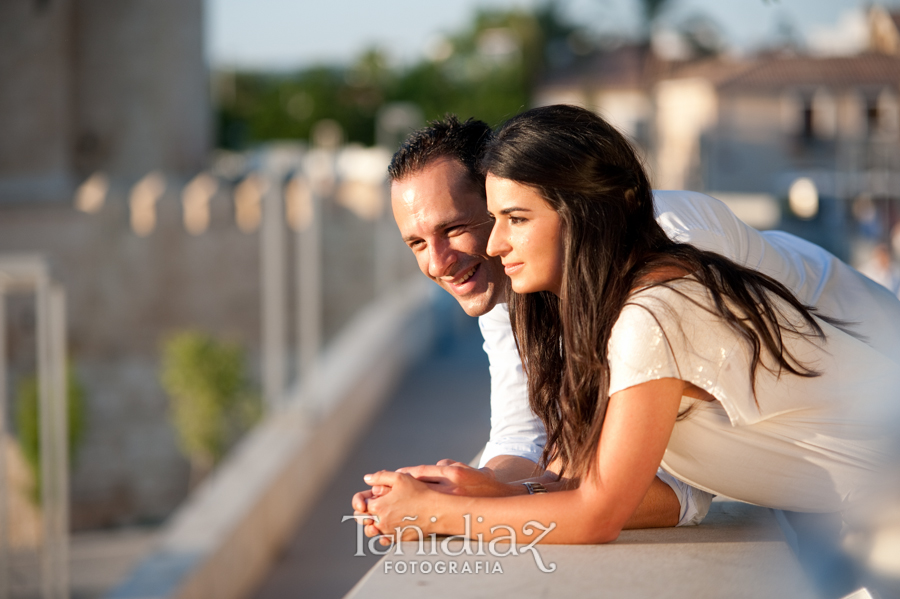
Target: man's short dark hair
[(442, 138)]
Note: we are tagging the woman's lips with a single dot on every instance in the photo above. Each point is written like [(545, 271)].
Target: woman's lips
[(511, 269)]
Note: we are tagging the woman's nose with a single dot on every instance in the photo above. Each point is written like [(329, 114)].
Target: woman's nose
[(497, 244)]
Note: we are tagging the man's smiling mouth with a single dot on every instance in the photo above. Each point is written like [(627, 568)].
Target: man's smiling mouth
[(465, 277)]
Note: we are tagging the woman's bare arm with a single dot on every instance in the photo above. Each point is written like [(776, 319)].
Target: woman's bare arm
[(638, 424)]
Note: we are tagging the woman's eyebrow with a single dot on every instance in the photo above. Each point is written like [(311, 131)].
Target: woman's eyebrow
[(514, 209)]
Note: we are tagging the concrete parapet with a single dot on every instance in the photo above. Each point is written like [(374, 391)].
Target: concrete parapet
[(222, 540), (739, 551)]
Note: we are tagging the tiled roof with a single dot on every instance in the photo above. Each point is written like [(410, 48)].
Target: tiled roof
[(633, 67), (844, 71), (627, 66)]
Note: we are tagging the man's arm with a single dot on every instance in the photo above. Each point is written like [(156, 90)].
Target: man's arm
[(659, 508), (509, 468)]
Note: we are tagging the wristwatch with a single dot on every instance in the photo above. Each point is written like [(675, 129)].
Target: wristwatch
[(535, 488)]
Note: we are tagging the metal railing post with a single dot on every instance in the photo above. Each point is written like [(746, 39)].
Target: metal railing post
[(30, 274), (272, 271), (5, 569)]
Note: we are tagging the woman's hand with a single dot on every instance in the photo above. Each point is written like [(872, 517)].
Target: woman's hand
[(360, 504), (407, 503)]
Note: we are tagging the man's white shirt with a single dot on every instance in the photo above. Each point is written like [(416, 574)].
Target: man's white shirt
[(814, 275)]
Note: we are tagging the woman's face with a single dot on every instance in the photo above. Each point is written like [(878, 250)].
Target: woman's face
[(527, 236)]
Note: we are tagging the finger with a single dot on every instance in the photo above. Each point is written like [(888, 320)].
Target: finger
[(379, 490), (425, 473), (371, 530), (383, 477), (360, 500), (448, 462), (365, 518)]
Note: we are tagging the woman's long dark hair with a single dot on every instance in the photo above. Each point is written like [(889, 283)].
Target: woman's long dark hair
[(586, 170)]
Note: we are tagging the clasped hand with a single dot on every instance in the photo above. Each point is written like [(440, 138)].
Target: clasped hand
[(395, 495)]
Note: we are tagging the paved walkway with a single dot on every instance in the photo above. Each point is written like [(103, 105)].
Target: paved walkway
[(440, 410)]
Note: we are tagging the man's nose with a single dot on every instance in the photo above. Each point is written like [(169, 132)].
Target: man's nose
[(441, 259)]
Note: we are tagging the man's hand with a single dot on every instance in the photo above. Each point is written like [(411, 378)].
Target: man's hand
[(456, 478)]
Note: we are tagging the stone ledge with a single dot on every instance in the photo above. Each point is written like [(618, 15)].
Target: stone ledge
[(223, 539), (738, 552)]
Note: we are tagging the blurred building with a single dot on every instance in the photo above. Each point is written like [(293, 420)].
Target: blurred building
[(747, 130), (107, 169), (112, 91), (91, 85)]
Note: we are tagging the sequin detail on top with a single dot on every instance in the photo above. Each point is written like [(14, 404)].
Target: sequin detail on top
[(668, 332)]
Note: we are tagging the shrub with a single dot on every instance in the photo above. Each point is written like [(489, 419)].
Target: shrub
[(209, 398), (28, 424)]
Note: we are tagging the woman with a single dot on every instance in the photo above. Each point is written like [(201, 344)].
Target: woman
[(640, 351)]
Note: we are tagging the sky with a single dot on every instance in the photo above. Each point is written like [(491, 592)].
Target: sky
[(290, 34)]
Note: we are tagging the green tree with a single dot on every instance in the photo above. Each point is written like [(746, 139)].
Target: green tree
[(210, 403), (489, 69), (488, 73), (28, 423), (268, 107)]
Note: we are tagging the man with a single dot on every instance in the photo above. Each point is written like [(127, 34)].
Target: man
[(439, 204)]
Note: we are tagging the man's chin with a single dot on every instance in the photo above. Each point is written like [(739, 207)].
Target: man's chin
[(476, 306)]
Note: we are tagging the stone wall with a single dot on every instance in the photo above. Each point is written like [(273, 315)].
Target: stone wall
[(120, 88), (34, 99), (97, 85), (125, 293)]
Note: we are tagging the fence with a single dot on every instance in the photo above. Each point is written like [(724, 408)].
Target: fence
[(34, 560)]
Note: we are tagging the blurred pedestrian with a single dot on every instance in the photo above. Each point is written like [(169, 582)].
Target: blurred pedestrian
[(881, 268)]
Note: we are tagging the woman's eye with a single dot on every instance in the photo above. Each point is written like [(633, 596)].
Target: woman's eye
[(516, 220)]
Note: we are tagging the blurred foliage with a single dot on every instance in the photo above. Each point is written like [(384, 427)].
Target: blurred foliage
[(487, 70), (651, 11), (702, 35), (28, 424), (210, 399)]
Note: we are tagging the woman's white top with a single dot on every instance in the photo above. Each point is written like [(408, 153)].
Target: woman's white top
[(802, 444), (816, 277)]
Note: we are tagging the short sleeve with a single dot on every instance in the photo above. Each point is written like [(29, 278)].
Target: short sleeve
[(672, 331), (639, 350)]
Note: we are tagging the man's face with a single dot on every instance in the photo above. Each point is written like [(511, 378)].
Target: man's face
[(443, 219)]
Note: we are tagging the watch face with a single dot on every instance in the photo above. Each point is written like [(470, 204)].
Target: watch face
[(534, 488)]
